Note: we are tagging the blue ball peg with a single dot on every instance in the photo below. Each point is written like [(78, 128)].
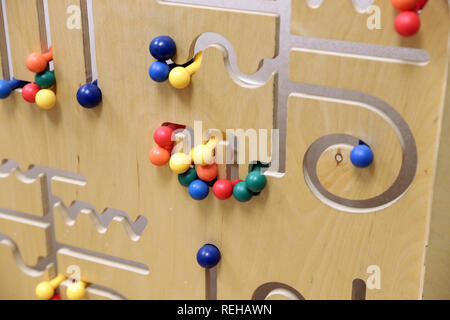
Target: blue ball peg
[(89, 95), (198, 189), (6, 87), (159, 71), (163, 48), (361, 156), (208, 256)]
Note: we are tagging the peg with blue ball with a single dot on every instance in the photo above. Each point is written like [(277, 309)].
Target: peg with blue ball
[(89, 95), (361, 156), (208, 256), (6, 87)]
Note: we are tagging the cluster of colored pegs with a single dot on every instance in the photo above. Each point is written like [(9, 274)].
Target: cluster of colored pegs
[(199, 179), (407, 23), (39, 91), (198, 171), (163, 49), (46, 289)]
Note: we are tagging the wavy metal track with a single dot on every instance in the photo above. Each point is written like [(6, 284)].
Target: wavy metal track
[(32, 271), (101, 221)]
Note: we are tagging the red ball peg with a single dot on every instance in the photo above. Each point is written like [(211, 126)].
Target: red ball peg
[(29, 92), (163, 137), (223, 189), (159, 156), (407, 23), (37, 62), (404, 5)]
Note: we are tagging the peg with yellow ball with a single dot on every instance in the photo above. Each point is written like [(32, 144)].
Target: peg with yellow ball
[(204, 154), (180, 77), (180, 162), (76, 290), (46, 290), (45, 99)]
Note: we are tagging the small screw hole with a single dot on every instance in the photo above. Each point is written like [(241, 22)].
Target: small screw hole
[(339, 158)]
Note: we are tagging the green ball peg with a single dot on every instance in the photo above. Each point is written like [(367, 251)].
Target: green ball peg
[(256, 181), (186, 178), (45, 79), (241, 192)]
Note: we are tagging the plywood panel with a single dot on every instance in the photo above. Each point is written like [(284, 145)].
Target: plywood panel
[(291, 245), (20, 196), (30, 236), (286, 234), (24, 36), (343, 244), (253, 35), (349, 25), (140, 108), (343, 179), (437, 261), (127, 283)]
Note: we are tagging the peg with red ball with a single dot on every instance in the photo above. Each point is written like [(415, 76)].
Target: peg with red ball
[(223, 189), (163, 137), (30, 91), (407, 23)]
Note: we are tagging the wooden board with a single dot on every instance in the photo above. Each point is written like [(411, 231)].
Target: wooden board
[(24, 34), (350, 25), (284, 235), (437, 262), (29, 235), (22, 197)]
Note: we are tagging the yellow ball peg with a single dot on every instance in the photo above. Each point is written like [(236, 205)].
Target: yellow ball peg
[(76, 290), (45, 99), (46, 290), (180, 77), (180, 163), (204, 154)]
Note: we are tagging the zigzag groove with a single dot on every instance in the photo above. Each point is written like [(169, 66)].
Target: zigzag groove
[(11, 166), (70, 214), (35, 172), (103, 220)]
